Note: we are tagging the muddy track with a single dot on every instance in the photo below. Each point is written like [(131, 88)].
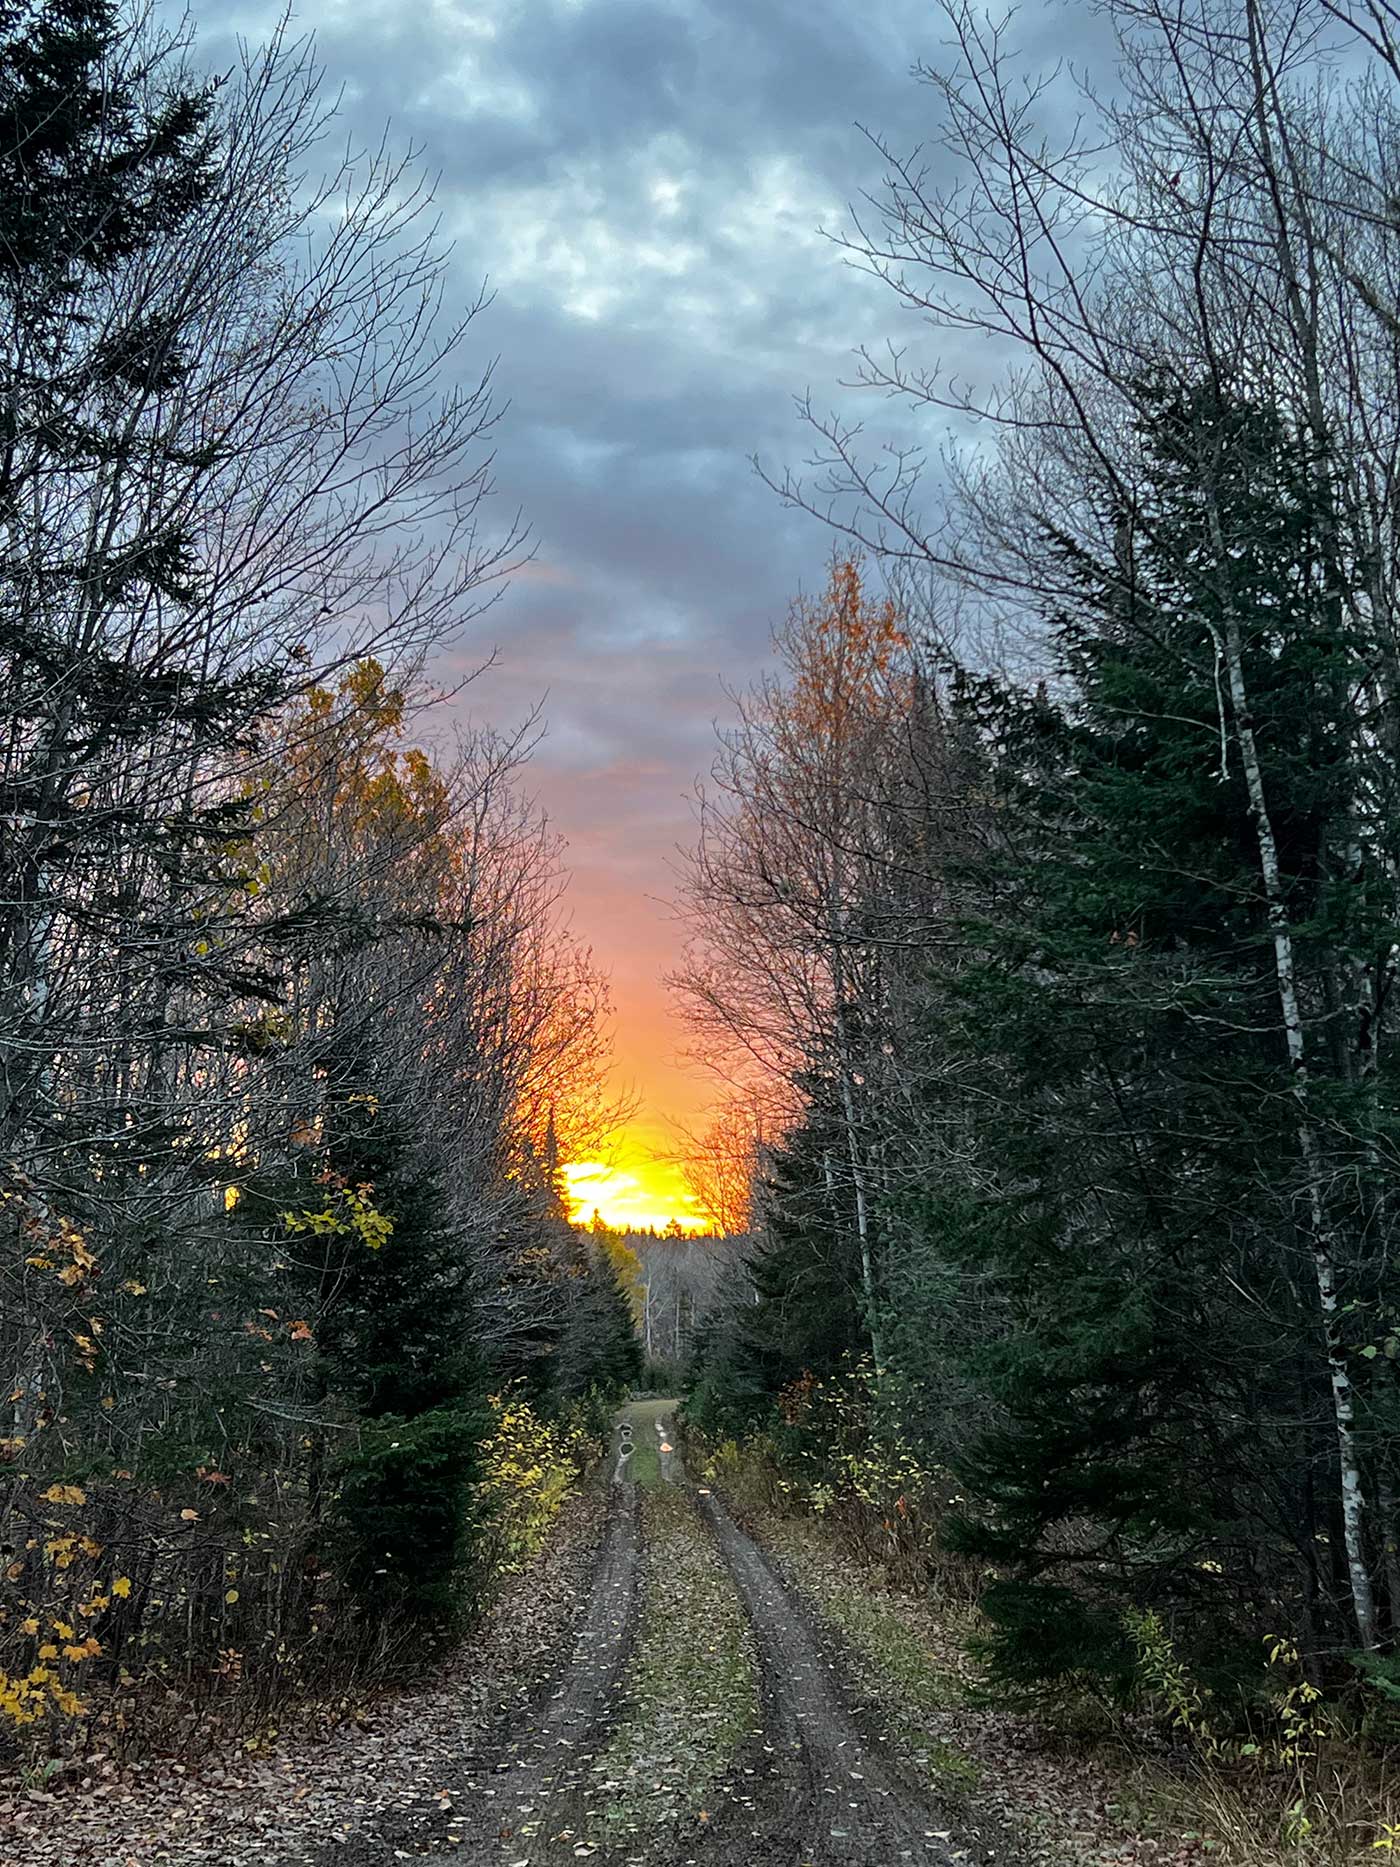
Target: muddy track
[(525, 1786), (820, 1790), (813, 1790)]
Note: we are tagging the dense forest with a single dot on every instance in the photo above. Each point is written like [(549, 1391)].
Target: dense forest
[(300, 1348), (1042, 928), (1045, 911)]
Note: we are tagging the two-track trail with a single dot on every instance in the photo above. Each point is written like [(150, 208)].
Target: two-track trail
[(650, 1695), (810, 1788)]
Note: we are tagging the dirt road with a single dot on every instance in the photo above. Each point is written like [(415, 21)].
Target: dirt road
[(649, 1695), (811, 1787), (832, 1794)]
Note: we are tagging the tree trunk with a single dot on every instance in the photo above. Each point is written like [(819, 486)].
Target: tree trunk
[(1322, 1237)]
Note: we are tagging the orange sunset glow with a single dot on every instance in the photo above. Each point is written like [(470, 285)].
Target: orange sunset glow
[(634, 1192)]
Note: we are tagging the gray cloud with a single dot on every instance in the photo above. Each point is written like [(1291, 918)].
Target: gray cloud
[(643, 181)]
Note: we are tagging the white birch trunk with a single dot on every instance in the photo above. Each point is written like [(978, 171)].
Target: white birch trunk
[(1323, 1239)]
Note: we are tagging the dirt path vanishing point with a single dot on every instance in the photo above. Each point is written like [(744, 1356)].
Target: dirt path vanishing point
[(813, 1789)]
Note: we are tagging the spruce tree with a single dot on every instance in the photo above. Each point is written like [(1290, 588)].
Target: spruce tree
[(803, 1313), (1157, 1415), (380, 1290)]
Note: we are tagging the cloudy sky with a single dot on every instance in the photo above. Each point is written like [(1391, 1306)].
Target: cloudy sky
[(644, 183)]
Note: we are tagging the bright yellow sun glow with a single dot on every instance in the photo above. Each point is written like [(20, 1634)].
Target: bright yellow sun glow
[(633, 1193)]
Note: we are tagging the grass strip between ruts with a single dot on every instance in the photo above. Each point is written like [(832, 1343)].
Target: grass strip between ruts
[(691, 1690)]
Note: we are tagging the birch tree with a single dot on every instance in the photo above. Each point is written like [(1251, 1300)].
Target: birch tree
[(1221, 216)]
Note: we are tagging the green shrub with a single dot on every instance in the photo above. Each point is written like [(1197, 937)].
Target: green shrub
[(407, 1501)]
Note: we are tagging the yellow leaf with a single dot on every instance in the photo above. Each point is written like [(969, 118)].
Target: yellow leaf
[(65, 1494), (122, 1587), (48, 1651), (231, 1596), (231, 1198), (31, 1626), (132, 1288), (63, 1630)]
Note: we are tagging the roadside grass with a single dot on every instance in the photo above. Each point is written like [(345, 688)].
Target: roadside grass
[(913, 1686), (1065, 1793), (691, 1690)]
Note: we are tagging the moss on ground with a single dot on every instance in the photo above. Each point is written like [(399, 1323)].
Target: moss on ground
[(692, 1691)]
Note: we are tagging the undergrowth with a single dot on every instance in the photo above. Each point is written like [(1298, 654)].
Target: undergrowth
[(1173, 1780)]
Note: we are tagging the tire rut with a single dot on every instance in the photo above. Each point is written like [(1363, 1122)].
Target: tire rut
[(813, 1790), (821, 1791), (524, 1788)]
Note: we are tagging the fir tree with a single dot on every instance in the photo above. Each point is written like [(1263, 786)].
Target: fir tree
[(1158, 1392), (803, 1313)]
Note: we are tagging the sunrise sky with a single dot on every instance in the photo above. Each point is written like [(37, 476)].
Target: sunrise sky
[(643, 183)]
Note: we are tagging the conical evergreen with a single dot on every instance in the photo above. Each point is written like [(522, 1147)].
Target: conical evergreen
[(1157, 1391)]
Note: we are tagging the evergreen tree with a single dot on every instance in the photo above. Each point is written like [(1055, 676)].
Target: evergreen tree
[(1158, 1433), (803, 1312), (599, 1353), (380, 1290)]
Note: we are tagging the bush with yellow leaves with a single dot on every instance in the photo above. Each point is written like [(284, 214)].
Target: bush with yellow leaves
[(59, 1588), (843, 1441), (529, 1465)]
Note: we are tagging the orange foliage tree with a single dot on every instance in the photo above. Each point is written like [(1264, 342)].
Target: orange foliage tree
[(794, 888)]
